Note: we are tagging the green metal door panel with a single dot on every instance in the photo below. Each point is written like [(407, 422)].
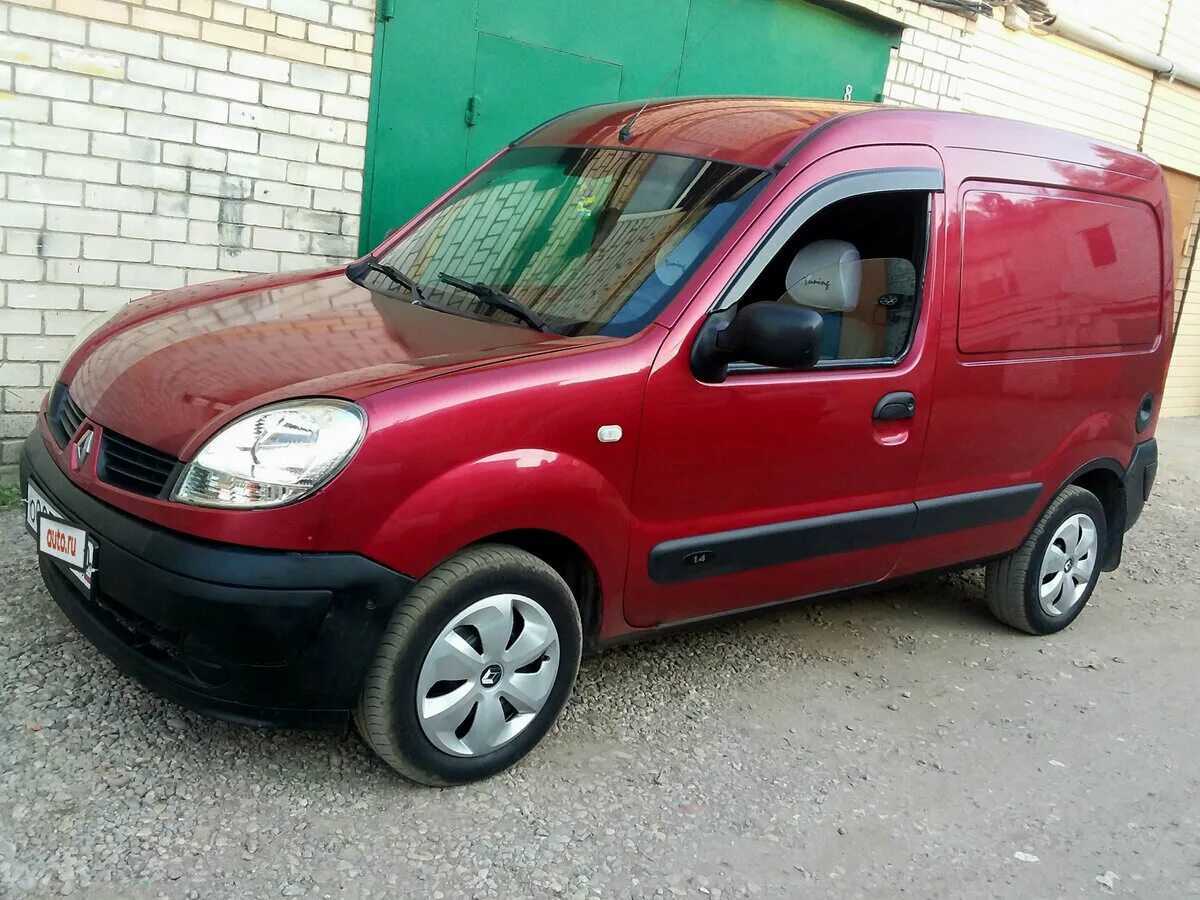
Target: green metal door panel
[(781, 47), (519, 62), (645, 37), (416, 139), (518, 85)]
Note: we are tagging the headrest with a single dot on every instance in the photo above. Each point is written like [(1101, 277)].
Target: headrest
[(826, 275)]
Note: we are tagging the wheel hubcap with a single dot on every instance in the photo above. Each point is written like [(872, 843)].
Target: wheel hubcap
[(1068, 565), (487, 675)]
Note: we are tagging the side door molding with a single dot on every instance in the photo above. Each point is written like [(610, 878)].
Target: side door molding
[(722, 553)]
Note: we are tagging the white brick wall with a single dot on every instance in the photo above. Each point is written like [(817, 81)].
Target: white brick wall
[(148, 146), (927, 68)]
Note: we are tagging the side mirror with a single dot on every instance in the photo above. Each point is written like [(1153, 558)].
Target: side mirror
[(769, 333)]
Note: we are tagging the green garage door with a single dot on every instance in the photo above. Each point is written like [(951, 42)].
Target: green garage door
[(457, 79), (518, 82)]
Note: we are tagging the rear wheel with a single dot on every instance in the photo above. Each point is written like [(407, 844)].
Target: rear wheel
[(1045, 584), (474, 667)]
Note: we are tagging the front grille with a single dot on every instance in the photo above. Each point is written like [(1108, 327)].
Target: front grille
[(63, 415), (122, 462), (133, 467)]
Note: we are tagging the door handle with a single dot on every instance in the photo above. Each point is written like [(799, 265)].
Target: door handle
[(896, 405)]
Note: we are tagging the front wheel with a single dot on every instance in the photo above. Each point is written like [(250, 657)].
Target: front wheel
[(474, 667), (1043, 586)]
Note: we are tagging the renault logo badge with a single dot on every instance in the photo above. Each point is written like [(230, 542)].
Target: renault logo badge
[(83, 447), (490, 677)]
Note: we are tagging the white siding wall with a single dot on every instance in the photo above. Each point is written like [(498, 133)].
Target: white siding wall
[(1044, 79), (1182, 396), (1173, 137), (1183, 32), (1173, 126), (1138, 22)]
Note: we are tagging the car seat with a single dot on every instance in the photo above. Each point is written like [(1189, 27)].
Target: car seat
[(827, 276)]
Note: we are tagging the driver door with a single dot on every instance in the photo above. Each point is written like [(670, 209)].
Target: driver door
[(773, 485)]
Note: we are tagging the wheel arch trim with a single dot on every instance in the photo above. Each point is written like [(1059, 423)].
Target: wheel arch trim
[(1115, 518)]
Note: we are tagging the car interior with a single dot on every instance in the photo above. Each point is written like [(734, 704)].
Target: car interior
[(858, 263)]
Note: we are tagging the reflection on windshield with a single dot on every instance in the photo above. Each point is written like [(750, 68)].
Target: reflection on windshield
[(593, 241)]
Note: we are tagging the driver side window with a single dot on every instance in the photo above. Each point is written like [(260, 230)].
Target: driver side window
[(858, 264)]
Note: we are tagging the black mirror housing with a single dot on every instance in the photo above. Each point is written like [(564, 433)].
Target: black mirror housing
[(768, 333)]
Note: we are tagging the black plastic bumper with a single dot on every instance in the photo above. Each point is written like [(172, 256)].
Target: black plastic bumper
[(1139, 479), (259, 637)]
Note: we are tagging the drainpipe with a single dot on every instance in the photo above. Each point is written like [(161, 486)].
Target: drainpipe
[(1081, 32)]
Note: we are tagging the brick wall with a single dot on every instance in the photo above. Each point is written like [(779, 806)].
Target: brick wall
[(148, 145), (927, 69)]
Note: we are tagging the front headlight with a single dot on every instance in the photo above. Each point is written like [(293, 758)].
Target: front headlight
[(274, 455)]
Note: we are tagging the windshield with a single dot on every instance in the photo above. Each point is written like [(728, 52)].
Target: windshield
[(590, 240)]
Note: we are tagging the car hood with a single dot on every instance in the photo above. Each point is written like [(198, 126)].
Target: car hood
[(170, 365)]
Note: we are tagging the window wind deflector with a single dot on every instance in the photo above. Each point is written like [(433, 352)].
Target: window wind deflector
[(358, 270), (499, 299)]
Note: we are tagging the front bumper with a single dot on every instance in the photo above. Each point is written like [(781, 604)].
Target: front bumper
[(259, 637)]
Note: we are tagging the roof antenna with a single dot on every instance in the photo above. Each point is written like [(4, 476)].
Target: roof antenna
[(625, 135)]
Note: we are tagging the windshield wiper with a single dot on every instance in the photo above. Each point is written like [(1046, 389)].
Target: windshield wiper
[(499, 299), (357, 270)]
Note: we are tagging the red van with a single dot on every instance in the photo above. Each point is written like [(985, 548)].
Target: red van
[(645, 367)]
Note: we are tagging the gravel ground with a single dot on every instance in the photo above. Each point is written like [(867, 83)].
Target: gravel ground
[(898, 743)]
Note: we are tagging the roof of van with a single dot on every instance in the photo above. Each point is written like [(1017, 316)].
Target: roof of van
[(767, 131)]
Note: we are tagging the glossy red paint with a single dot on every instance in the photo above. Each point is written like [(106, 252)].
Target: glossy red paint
[(770, 446), (1095, 292), (168, 374), (752, 131), (477, 429), (1040, 416)]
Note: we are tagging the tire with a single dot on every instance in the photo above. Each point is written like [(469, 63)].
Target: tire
[(1015, 585), (446, 703)]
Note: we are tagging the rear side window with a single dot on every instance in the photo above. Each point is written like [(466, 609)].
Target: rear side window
[(1056, 272)]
